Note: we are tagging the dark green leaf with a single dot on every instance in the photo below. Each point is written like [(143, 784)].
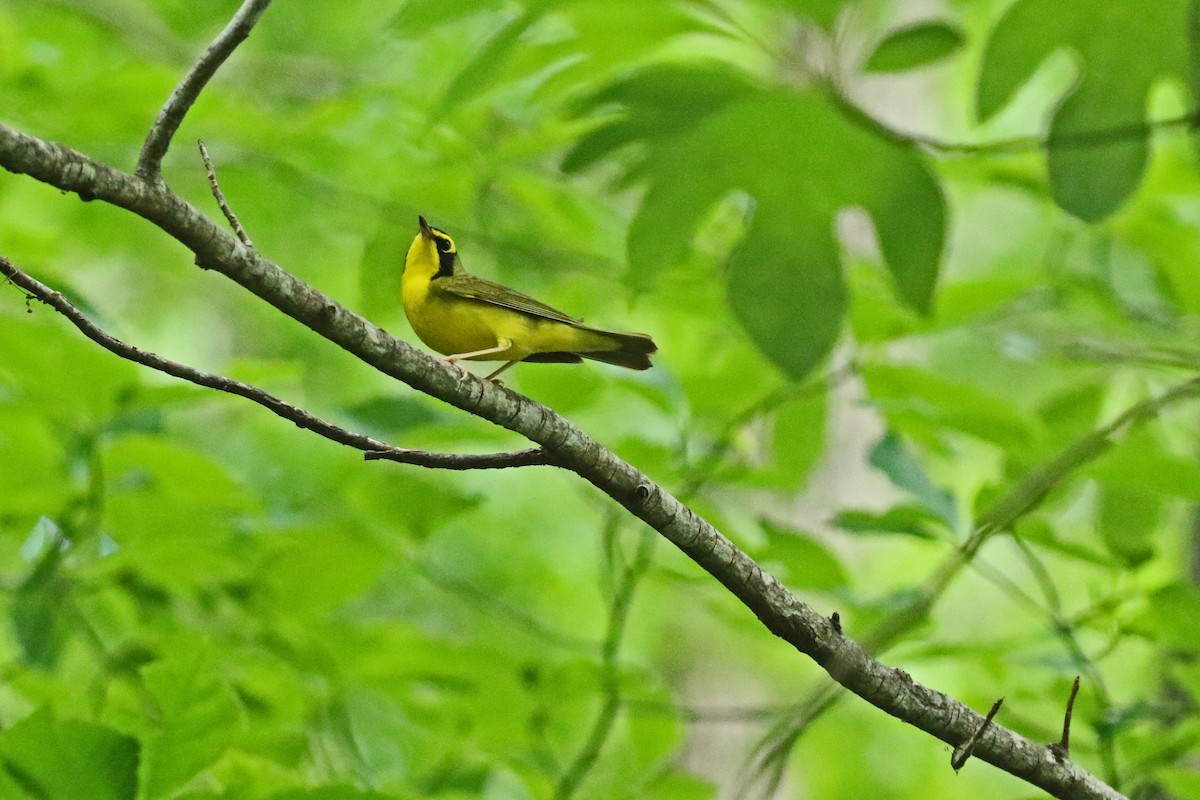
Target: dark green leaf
[(198, 718), (69, 760), (785, 281), (38, 606), (1097, 143), (893, 458), (904, 520), (656, 101), (914, 47), (785, 287)]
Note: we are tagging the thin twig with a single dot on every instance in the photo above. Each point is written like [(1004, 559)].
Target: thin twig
[(1066, 139), (531, 457), (220, 196), (963, 752), (622, 603), (158, 140), (374, 448), (1062, 748)]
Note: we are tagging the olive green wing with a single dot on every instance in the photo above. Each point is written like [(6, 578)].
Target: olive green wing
[(486, 291)]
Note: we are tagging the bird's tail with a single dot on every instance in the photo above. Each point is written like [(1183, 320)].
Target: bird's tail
[(631, 350)]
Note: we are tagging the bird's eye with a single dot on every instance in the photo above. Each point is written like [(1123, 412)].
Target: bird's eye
[(445, 245)]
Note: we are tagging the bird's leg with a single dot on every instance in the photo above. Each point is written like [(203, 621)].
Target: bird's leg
[(492, 377), (503, 345)]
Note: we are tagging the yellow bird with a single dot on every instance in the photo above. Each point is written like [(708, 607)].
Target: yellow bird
[(464, 317)]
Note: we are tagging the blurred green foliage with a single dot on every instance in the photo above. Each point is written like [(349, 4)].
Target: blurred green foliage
[(865, 340)]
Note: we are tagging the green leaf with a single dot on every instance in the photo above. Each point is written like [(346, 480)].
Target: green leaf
[(823, 12), (69, 759), (790, 300), (332, 793), (1141, 464), (1180, 782), (679, 786), (382, 265), (803, 161), (655, 101), (388, 416), (198, 718), (805, 562), (303, 580), (484, 68), (89, 381), (798, 430), (1122, 53), (46, 535), (1173, 612), (33, 461), (38, 605), (1154, 229), (905, 520), (924, 404), (167, 504), (419, 16), (892, 458), (1128, 521), (915, 46)]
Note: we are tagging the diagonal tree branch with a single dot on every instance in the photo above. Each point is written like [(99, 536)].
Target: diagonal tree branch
[(848, 662), (374, 449), (771, 758), (633, 573), (171, 115)]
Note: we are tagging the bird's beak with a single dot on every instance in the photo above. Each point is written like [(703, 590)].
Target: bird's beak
[(426, 231)]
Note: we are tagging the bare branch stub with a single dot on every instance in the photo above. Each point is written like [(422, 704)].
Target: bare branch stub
[(243, 237), (374, 449), (171, 115), (963, 751), (1062, 748)]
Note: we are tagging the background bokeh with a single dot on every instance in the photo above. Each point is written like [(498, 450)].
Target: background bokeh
[(873, 323)]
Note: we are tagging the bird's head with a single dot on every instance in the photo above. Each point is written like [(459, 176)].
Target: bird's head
[(432, 252)]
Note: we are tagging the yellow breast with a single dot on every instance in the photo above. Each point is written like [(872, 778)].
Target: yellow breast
[(450, 324)]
